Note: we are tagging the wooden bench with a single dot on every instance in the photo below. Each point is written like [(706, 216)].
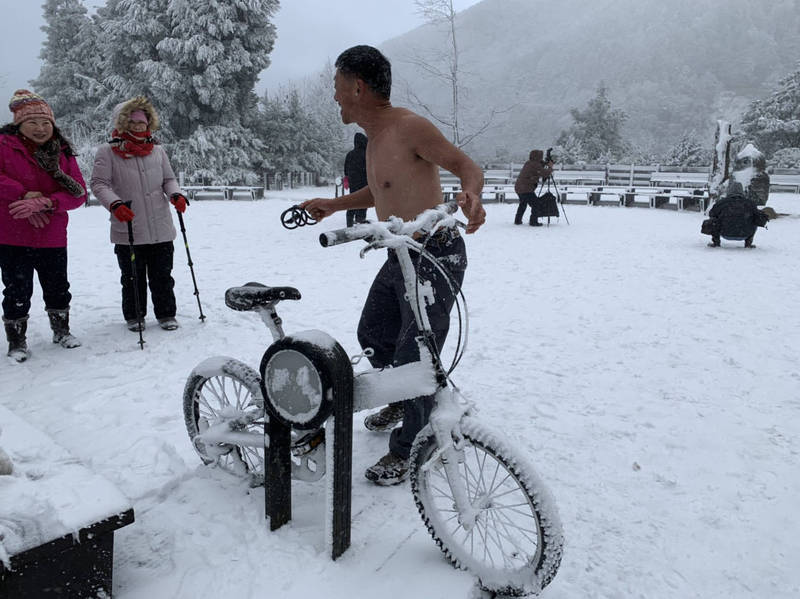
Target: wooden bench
[(784, 182), (57, 519), (679, 179), (576, 177), (489, 193)]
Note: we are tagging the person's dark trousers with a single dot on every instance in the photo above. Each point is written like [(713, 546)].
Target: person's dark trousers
[(388, 326), (18, 264), (153, 264), (356, 216), (525, 200)]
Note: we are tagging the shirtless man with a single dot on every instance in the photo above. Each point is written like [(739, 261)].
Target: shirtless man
[(404, 154)]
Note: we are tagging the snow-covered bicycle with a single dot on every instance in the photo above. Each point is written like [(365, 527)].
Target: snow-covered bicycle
[(481, 500)]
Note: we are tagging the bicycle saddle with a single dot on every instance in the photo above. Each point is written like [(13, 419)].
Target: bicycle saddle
[(254, 295)]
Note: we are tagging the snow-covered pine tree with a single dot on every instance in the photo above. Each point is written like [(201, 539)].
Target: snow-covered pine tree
[(71, 74), (689, 151), (596, 133), (68, 79), (333, 139), (209, 65), (131, 30), (212, 57), (287, 130), (773, 123)]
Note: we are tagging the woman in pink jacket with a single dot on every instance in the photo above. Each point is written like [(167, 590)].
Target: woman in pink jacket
[(39, 181), (132, 177)]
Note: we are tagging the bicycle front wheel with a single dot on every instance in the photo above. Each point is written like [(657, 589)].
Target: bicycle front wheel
[(515, 545), (219, 389)]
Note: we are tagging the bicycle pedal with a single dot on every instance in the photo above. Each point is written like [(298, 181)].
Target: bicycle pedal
[(308, 443)]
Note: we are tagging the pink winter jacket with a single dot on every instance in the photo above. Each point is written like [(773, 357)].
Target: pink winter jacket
[(19, 174), (145, 181)]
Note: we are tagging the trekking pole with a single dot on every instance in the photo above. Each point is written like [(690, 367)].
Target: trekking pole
[(191, 264), (135, 278)]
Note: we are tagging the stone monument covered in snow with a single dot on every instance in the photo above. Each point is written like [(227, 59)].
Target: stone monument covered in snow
[(750, 169)]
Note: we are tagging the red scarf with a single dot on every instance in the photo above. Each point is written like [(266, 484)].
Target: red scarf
[(130, 144)]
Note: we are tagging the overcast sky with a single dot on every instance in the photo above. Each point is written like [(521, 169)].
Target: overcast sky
[(309, 33)]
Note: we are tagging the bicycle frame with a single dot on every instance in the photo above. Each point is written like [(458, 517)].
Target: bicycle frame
[(449, 405), (377, 387)]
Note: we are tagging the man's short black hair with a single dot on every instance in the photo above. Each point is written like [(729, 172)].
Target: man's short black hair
[(368, 64)]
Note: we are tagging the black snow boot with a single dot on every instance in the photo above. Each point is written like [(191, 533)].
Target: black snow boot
[(59, 322), (15, 333)]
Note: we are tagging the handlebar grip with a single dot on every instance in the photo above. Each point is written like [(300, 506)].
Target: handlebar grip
[(338, 236)]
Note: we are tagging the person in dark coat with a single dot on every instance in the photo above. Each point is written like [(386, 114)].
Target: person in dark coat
[(527, 181), (355, 169), (735, 217)]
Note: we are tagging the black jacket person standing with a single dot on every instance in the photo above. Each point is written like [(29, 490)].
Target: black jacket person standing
[(355, 169)]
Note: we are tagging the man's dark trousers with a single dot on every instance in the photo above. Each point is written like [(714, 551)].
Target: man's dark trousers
[(525, 199), (387, 324)]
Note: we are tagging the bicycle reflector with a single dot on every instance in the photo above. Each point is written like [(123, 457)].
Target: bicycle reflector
[(300, 377)]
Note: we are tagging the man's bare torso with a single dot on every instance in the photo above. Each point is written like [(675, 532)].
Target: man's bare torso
[(402, 183)]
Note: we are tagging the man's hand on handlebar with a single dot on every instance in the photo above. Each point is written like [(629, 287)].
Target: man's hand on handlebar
[(472, 208), (319, 208)]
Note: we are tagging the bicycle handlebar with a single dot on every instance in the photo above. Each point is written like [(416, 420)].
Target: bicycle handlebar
[(381, 233)]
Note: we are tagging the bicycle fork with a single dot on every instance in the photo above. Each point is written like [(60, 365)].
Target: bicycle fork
[(444, 422)]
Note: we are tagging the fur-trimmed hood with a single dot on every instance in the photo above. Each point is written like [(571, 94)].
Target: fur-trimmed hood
[(123, 111)]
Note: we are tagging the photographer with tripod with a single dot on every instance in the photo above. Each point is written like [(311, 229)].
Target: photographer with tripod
[(537, 167)]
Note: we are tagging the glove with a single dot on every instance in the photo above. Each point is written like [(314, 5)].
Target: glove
[(26, 206), (39, 220), (179, 201), (121, 212)]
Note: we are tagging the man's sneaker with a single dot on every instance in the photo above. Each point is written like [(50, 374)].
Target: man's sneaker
[(386, 419), (133, 325), (389, 470), (168, 324)]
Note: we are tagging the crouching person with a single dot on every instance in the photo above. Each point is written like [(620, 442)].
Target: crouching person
[(735, 217), (39, 181)]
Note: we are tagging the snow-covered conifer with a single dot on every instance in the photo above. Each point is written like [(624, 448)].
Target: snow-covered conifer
[(773, 123)]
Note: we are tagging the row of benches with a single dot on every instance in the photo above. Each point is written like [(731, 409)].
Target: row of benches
[(601, 195), (778, 182)]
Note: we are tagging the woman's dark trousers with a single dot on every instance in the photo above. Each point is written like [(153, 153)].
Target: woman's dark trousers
[(18, 264), (153, 264)]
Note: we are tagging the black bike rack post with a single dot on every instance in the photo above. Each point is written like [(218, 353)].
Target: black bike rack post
[(278, 479), (339, 496), (339, 458)]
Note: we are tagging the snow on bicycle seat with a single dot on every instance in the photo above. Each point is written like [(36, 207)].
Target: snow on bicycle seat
[(254, 295)]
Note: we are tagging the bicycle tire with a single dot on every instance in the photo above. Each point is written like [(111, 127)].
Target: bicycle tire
[(516, 544), (213, 385)]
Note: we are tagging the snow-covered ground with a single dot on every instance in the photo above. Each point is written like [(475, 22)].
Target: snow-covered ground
[(653, 381)]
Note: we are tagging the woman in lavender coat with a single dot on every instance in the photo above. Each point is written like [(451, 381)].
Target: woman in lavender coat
[(133, 179), (39, 181)]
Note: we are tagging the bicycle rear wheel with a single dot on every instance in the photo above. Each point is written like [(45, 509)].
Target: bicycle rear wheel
[(515, 546), (218, 389)]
